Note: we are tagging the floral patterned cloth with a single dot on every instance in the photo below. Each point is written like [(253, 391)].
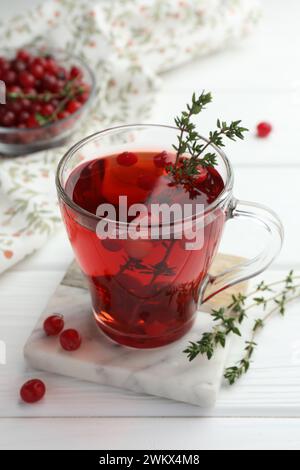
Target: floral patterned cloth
[(128, 43)]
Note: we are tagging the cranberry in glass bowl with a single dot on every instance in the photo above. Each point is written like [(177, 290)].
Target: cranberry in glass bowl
[(48, 94)]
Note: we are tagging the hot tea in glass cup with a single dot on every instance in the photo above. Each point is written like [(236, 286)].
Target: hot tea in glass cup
[(146, 284)]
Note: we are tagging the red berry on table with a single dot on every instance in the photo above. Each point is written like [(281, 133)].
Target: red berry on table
[(73, 106), (264, 129), (26, 79), (33, 391), (70, 340), (54, 325), (127, 159)]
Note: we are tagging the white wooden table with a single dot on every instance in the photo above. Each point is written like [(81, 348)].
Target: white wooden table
[(258, 80)]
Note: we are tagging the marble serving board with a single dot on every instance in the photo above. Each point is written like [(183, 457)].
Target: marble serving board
[(163, 372)]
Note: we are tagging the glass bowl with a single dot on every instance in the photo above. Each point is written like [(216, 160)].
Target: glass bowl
[(16, 142)]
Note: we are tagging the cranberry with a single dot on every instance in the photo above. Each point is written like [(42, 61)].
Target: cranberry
[(112, 245), (75, 72), (36, 107), (70, 340), (32, 122), (26, 79), (146, 182), (264, 129), (18, 65), (24, 55), (14, 89), (9, 77), (73, 106), (127, 159), (8, 119), (14, 106), (49, 83), (54, 325), (51, 66), (37, 70), (23, 117), (160, 160), (63, 115), (39, 61), (84, 97), (47, 110), (33, 391), (26, 104)]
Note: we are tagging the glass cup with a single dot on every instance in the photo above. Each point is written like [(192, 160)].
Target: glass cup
[(146, 292)]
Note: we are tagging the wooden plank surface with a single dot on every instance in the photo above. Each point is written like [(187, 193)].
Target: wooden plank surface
[(259, 79)]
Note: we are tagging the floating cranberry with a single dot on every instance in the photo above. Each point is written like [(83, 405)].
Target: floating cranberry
[(70, 340), (54, 325), (73, 106), (264, 129), (26, 79), (127, 159), (112, 245), (33, 391)]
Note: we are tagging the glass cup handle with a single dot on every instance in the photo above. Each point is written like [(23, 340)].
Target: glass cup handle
[(264, 217)]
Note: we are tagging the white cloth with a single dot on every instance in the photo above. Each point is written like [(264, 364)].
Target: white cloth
[(128, 43)]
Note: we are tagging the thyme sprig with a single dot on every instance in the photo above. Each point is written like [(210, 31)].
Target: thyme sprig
[(191, 150), (230, 318)]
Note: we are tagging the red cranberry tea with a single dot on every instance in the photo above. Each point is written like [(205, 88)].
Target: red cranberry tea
[(144, 292)]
